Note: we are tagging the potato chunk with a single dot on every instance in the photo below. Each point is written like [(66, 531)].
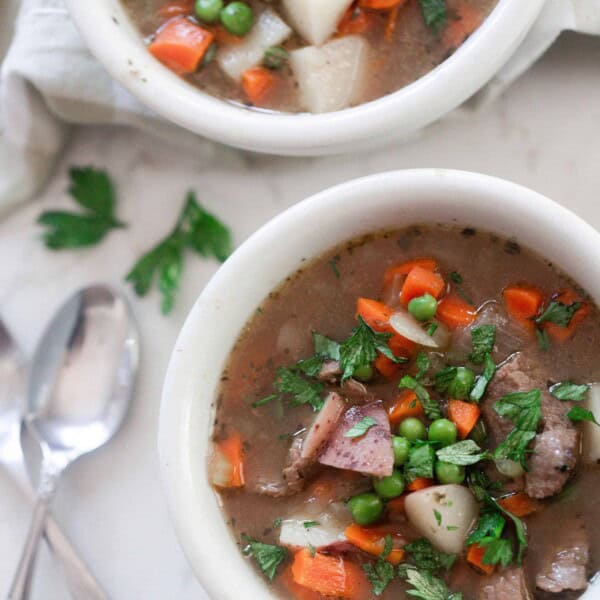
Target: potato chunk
[(331, 77), (316, 20)]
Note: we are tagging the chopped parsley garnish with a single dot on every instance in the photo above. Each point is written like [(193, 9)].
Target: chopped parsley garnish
[(451, 527), (277, 522), (432, 329), (381, 573), (488, 534), (462, 453), (326, 347), (426, 557), (444, 378), (570, 391), (275, 57), (481, 485), (456, 277), (438, 516), (558, 313), (311, 550), (581, 414), (309, 524), (421, 459), (334, 268), (483, 380), (360, 428), (422, 362), (520, 529), (93, 191), (266, 400), (361, 349), (430, 406), (289, 382), (268, 556), (542, 337), (483, 339), (195, 229), (425, 585)]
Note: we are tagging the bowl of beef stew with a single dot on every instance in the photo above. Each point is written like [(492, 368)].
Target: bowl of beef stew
[(303, 77), (390, 390)]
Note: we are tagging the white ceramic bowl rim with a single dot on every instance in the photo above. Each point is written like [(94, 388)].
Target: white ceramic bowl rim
[(404, 111), (384, 201)]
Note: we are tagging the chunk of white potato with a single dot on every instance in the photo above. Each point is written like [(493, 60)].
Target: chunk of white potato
[(444, 514), (315, 20), (591, 432), (331, 77), (269, 30), (328, 531)]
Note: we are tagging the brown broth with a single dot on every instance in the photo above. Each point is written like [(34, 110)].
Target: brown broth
[(413, 51), (316, 299)]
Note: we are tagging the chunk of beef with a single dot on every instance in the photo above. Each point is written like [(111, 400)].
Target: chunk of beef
[(356, 391), (509, 584), (370, 453), (330, 371), (565, 559), (323, 425), (555, 448)]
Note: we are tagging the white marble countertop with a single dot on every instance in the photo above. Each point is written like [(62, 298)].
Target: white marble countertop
[(544, 133)]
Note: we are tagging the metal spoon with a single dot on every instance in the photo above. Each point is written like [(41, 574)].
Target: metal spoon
[(80, 580), (81, 384)]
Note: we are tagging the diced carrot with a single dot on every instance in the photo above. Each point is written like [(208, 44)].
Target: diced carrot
[(464, 415), (397, 506), (475, 557), (457, 31), (519, 504), (372, 540), (387, 367), (181, 45), (258, 84), (298, 592), (391, 23), (328, 575), (562, 334), (176, 8), (227, 462), (406, 405), (421, 281), (356, 21), (523, 302), (420, 483), (375, 314), (401, 346), (455, 312), (406, 267), (224, 38), (380, 4)]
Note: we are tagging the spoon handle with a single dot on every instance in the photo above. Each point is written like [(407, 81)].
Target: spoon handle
[(19, 589)]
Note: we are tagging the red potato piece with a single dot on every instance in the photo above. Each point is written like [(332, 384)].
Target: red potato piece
[(370, 453), (323, 425)]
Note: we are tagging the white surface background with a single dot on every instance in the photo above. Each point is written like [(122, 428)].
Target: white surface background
[(544, 133)]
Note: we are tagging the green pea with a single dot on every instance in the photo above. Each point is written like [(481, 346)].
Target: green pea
[(449, 473), (389, 487), (442, 431), (423, 308), (412, 429), (366, 508), (478, 433), (401, 448), (208, 10), (363, 373), (460, 387), (237, 18)]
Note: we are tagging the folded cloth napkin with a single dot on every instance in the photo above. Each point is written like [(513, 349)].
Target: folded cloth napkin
[(50, 82)]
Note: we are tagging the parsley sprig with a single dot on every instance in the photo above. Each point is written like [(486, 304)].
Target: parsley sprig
[(94, 192), (434, 12), (381, 573), (430, 406), (463, 453), (195, 229), (570, 391), (268, 556)]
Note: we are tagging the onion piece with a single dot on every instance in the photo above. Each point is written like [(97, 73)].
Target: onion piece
[(509, 468), (407, 326), (591, 432)]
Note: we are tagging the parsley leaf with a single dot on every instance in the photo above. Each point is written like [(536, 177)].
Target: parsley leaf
[(268, 556), (434, 13), (326, 347), (483, 380), (361, 349), (481, 485), (490, 525), (309, 524), (498, 552), (438, 516), (543, 340), (581, 414), (524, 409), (382, 572), (289, 381), (425, 585), (462, 453), (196, 229), (360, 428), (422, 362), (430, 406), (483, 339), (456, 277), (520, 528), (421, 459), (275, 57), (426, 557), (569, 391), (93, 190), (558, 313), (444, 378), (514, 447)]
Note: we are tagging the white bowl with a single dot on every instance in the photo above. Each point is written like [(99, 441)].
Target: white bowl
[(114, 40), (385, 201)]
